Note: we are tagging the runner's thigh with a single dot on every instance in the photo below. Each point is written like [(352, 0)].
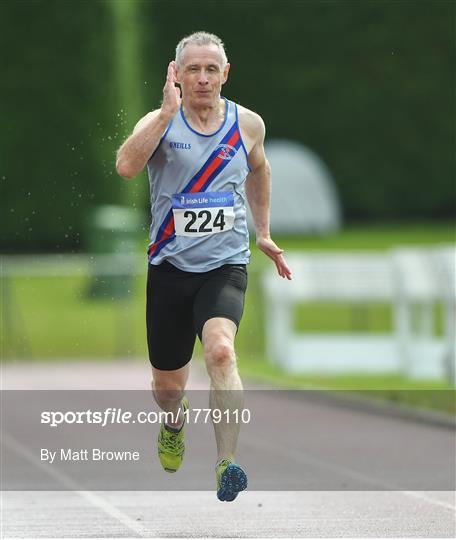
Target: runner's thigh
[(221, 295), (169, 316)]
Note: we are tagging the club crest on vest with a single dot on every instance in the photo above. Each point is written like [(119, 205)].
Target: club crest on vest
[(226, 151)]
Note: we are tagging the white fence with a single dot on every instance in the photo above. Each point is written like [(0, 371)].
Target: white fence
[(407, 278), (410, 279)]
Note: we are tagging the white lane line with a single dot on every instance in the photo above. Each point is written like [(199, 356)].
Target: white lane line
[(425, 497), (71, 485), (343, 471)]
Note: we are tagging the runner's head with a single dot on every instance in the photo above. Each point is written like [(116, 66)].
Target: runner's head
[(202, 67)]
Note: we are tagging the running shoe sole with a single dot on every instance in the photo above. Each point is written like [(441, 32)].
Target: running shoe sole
[(232, 481)]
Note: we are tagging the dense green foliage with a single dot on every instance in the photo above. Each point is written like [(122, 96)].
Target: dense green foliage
[(368, 85), (59, 120)]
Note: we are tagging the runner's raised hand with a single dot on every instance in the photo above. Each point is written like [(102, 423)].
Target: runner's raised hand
[(171, 93)]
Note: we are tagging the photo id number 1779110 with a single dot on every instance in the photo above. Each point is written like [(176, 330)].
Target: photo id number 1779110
[(235, 416)]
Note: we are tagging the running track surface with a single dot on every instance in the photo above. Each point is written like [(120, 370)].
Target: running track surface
[(77, 513)]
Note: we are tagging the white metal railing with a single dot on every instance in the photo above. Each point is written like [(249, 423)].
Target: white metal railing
[(404, 277)]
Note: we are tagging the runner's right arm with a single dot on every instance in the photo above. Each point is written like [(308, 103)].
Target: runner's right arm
[(135, 152)]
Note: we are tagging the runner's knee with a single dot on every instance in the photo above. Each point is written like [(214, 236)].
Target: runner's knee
[(167, 388), (168, 396), (220, 353)]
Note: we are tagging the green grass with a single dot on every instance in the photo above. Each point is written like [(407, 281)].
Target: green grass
[(427, 394), (261, 369), (345, 317), (55, 318)]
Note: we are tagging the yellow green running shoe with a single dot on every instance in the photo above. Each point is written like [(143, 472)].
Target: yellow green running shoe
[(171, 446), (231, 479)]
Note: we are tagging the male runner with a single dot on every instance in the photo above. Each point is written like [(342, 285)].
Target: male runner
[(205, 158)]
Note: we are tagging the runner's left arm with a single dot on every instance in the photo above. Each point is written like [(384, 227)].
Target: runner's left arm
[(258, 191)]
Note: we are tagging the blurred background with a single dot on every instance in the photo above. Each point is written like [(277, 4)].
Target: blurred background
[(358, 101)]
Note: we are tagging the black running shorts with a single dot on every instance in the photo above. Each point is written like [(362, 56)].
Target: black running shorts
[(179, 303)]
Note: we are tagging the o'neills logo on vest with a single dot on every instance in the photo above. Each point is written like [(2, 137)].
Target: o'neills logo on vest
[(180, 145), (226, 151)]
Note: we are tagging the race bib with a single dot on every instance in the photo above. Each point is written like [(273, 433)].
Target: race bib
[(200, 214)]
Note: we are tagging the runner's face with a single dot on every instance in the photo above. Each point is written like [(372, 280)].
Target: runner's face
[(201, 75)]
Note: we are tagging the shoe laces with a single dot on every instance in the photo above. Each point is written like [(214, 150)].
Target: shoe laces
[(171, 441), (223, 464)]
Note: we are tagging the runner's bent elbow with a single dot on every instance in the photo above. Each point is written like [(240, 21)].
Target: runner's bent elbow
[(124, 169)]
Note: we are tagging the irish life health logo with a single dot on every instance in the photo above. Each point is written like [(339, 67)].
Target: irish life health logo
[(226, 151)]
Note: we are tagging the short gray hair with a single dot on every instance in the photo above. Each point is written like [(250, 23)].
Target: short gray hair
[(200, 38)]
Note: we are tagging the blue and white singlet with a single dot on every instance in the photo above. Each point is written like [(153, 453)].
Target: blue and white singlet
[(197, 194)]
